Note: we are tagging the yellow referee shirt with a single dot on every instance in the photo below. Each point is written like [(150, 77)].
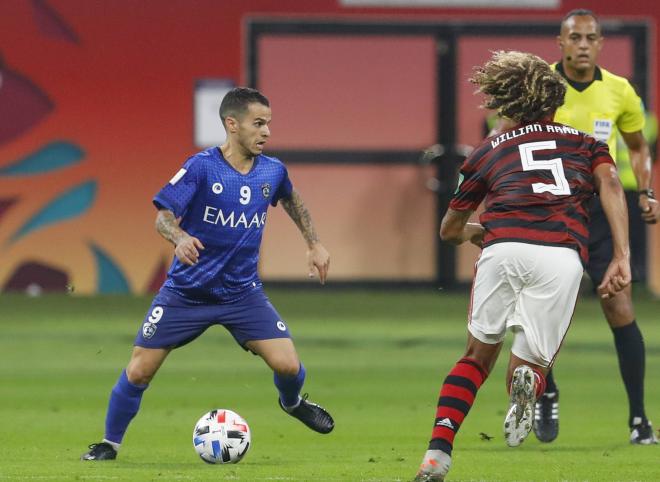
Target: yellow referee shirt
[(601, 107)]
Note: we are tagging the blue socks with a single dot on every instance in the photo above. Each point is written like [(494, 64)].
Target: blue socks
[(124, 404), (289, 387), (125, 401)]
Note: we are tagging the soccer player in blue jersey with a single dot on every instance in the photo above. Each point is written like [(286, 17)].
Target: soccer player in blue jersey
[(214, 211)]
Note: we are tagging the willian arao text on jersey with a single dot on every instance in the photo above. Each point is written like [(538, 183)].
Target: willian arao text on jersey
[(521, 131)]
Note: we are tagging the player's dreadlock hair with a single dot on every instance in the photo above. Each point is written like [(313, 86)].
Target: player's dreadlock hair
[(236, 102), (520, 86)]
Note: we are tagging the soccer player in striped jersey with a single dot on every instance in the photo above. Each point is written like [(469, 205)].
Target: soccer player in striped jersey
[(536, 181), (602, 104), (214, 212)]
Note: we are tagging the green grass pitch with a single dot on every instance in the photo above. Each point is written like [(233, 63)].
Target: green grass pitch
[(374, 359)]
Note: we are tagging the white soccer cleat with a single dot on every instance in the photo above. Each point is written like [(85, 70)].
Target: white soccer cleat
[(434, 467), (520, 417)]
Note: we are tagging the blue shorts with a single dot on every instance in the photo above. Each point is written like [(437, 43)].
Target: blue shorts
[(173, 320)]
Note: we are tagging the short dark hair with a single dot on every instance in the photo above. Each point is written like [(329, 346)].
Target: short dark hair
[(236, 101), (579, 12)]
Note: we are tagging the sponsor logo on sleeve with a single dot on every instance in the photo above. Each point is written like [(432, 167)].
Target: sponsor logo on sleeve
[(461, 177), (177, 176)]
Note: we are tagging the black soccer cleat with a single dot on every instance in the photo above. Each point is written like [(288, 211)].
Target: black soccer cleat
[(312, 415), (546, 417), (100, 451), (642, 433)]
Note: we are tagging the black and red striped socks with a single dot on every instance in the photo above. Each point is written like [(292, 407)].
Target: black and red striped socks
[(456, 398), (539, 382)]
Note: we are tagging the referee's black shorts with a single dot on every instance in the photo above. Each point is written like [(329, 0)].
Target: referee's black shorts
[(600, 240)]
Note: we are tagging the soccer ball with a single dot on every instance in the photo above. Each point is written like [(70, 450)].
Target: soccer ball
[(221, 437)]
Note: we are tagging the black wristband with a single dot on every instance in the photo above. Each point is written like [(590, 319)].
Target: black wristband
[(649, 193)]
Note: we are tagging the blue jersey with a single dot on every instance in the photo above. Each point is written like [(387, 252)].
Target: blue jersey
[(226, 211)]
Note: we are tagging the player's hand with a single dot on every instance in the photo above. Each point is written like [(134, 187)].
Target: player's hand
[(474, 232), (616, 278), (318, 261), (187, 249), (650, 209)]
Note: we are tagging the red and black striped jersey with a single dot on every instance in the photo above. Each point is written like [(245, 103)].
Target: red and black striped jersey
[(536, 180)]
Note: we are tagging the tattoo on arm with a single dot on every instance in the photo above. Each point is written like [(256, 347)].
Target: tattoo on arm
[(295, 208), (168, 227)]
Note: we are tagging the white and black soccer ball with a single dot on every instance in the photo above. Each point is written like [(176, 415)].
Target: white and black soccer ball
[(221, 437)]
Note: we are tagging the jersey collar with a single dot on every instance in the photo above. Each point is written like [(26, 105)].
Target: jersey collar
[(579, 86), (221, 156)]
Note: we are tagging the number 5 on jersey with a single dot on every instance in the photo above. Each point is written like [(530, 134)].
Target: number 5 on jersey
[(561, 187)]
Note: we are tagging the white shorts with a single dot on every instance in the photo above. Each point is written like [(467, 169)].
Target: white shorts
[(529, 288)]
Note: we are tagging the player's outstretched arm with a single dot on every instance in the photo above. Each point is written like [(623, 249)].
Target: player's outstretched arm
[(455, 228), (617, 276), (186, 247), (640, 160), (318, 258)]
